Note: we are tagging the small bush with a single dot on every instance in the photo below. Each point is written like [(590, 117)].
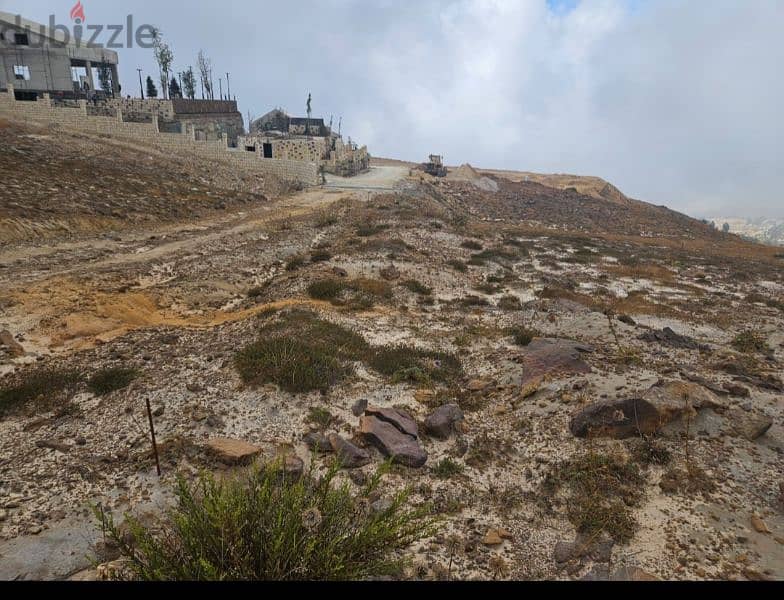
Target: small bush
[(522, 335), (406, 363), (319, 416), (473, 301), (471, 245), (750, 342), (370, 230), (256, 292), (447, 468), (358, 293), (601, 490), (510, 303), (326, 289), (770, 302), (318, 256), (325, 219), (648, 451), (294, 365), (458, 266), (46, 387), (262, 527), (110, 380), (489, 288), (417, 287), (295, 263)]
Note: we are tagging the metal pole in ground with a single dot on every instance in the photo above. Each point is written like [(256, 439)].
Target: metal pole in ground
[(152, 432)]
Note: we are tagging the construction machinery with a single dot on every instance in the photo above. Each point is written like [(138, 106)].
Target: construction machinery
[(436, 166)]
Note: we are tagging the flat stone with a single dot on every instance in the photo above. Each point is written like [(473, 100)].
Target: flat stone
[(759, 525), (749, 426), (232, 451), (618, 419), (317, 442), (441, 424), (493, 538), (478, 385), (737, 390), (402, 421), (349, 455), (401, 448), (293, 467), (633, 574), (14, 348), (546, 356), (53, 445), (667, 337)]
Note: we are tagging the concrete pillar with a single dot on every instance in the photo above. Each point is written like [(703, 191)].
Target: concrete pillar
[(83, 106), (45, 99), (89, 67), (155, 123), (10, 88), (115, 80), (119, 114), (225, 139)]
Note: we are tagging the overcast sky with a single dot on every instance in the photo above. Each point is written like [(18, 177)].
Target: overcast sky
[(675, 102)]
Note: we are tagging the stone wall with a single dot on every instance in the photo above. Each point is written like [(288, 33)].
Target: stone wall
[(44, 112)]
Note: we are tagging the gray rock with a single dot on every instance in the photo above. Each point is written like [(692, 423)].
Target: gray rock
[(401, 448), (359, 408), (317, 442), (399, 419), (349, 455), (441, 424)]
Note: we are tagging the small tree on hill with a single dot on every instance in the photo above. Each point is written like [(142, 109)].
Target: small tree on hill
[(152, 91), (174, 89), (105, 78), (726, 228), (189, 83)]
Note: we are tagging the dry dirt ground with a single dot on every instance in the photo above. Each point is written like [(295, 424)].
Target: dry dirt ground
[(177, 296)]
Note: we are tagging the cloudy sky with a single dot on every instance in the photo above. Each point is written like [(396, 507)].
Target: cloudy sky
[(677, 102)]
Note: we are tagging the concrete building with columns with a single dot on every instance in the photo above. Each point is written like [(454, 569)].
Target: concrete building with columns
[(37, 60)]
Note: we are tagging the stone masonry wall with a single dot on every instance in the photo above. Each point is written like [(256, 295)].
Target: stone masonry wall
[(76, 119)]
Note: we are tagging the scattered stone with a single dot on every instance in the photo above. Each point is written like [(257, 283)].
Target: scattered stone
[(318, 443), (392, 442), (667, 337), (53, 445), (381, 505), (232, 451), (349, 455), (339, 272), (748, 425), (493, 538), (80, 441), (293, 467), (598, 550), (478, 385), (759, 525), (401, 420), (546, 356), (13, 347), (716, 389), (441, 424), (531, 387), (627, 320), (359, 408), (158, 412), (194, 388), (738, 390), (358, 477), (618, 419), (633, 574), (390, 273), (424, 396)]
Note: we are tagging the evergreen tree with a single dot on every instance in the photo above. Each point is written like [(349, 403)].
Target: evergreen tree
[(189, 83), (152, 91), (174, 89)]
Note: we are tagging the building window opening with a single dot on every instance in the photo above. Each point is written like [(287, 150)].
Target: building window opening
[(267, 150), (22, 73), (250, 148), (21, 39)]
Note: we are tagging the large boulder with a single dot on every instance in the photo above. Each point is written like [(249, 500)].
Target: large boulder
[(546, 356), (349, 455), (397, 418), (393, 443), (233, 452), (662, 404), (441, 424)]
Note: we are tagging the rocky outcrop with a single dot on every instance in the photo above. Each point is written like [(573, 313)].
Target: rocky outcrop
[(393, 442), (667, 337), (660, 405), (397, 418), (546, 356)]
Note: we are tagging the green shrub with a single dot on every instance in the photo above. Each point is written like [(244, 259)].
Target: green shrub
[(522, 335), (326, 289), (489, 288), (255, 292), (318, 256), (263, 527), (458, 266), (750, 342), (358, 293), (295, 263), (447, 468), (46, 387), (110, 380), (471, 245), (510, 303), (417, 287), (371, 230), (319, 416), (406, 363)]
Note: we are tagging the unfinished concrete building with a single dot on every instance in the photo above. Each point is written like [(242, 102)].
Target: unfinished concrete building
[(276, 135), (37, 60)]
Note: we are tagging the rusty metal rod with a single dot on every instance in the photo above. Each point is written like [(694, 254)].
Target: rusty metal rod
[(152, 431)]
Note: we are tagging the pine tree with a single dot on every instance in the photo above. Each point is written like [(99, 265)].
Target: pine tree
[(174, 89), (152, 91)]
